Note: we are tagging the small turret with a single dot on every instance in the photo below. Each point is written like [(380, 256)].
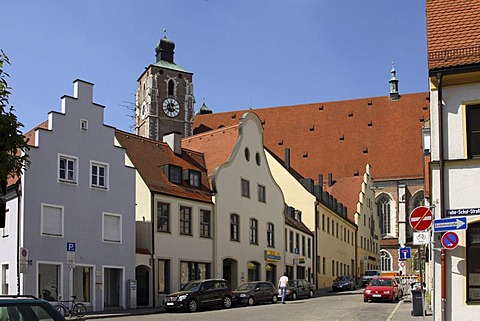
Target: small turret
[(394, 95)]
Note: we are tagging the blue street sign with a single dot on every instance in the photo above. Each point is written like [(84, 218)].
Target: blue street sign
[(405, 253), (450, 224), (71, 246), (297, 250)]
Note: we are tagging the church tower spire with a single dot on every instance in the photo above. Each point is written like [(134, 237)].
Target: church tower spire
[(394, 95)]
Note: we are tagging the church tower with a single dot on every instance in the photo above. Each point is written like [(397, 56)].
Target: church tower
[(164, 99)]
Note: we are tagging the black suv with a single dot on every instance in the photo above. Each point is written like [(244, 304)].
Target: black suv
[(196, 294), (27, 307)]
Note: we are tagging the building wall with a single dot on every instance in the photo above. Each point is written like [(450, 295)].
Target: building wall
[(83, 206), (228, 200)]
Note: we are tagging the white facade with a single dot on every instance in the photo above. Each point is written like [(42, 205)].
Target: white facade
[(77, 190)]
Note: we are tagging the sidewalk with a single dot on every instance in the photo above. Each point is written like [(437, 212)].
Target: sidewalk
[(403, 312)]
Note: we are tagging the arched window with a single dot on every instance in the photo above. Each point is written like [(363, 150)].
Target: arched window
[(384, 213), (171, 87), (385, 261)]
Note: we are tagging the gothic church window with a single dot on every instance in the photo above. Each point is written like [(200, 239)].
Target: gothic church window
[(171, 87), (384, 212), (385, 261)]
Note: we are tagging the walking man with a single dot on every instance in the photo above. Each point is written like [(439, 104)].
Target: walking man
[(282, 285)]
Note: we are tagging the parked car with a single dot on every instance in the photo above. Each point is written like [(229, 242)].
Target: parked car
[(381, 288), (196, 294), (27, 307), (251, 293), (369, 275), (402, 287), (344, 282), (298, 288)]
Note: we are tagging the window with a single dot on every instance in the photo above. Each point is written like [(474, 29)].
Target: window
[(205, 220), (185, 220), (323, 222), (297, 241), (328, 225), (253, 231), (385, 261), (48, 281), (174, 174), (324, 265), (303, 245), (247, 154), (473, 264), (309, 247), (82, 283), (190, 271), (291, 242), (67, 169), (99, 175), (83, 124), (5, 279), (473, 131), (112, 228), (5, 230), (194, 178), (163, 217), (383, 207), (171, 88), (164, 276), (261, 193), (234, 227), (52, 220), (245, 188), (270, 235), (333, 268)]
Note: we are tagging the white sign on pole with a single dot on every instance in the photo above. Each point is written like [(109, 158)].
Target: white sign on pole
[(23, 260), (421, 238)]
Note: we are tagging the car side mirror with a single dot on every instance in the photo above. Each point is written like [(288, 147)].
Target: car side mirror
[(257, 289)]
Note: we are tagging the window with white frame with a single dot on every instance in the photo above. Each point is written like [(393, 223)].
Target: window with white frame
[(5, 230), (194, 178), (52, 220), (270, 235), (112, 228), (48, 281), (383, 208), (98, 174), (261, 194), (5, 279), (205, 223), (253, 231), (234, 227), (385, 261), (67, 169), (82, 283), (245, 188), (185, 220)]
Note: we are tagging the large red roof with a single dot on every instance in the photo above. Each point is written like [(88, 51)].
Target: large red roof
[(341, 137)]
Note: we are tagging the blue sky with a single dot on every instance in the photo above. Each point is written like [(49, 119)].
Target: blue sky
[(243, 53)]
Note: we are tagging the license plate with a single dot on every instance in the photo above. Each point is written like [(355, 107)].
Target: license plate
[(377, 295), (169, 303)]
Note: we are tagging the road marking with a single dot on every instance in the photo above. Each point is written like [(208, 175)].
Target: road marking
[(390, 317)]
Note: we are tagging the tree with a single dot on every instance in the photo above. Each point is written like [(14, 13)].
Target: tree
[(13, 145)]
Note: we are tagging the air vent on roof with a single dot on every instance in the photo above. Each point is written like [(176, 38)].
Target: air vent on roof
[(370, 124), (312, 128), (234, 116), (422, 120), (425, 107), (280, 143), (320, 108), (370, 103), (350, 114), (305, 155), (342, 137), (180, 76), (263, 122), (355, 173), (365, 150)]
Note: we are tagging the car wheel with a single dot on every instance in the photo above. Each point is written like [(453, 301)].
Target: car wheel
[(227, 302), (294, 295), (310, 294), (274, 298), (192, 305), (365, 300), (251, 301)]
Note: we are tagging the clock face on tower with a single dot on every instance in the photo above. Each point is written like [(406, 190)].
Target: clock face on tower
[(171, 108)]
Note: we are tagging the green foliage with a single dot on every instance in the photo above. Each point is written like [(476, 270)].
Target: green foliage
[(13, 145)]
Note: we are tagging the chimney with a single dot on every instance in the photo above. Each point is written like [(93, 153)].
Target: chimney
[(174, 141), (330, 179), (287, 158)]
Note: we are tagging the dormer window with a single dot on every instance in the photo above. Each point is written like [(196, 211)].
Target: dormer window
[(174, 174), (194, 178)]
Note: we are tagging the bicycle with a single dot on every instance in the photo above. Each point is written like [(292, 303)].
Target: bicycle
[(74, 309)]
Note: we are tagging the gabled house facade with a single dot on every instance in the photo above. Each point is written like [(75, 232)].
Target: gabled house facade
[(175, 223), (454, 73), (71, 215)]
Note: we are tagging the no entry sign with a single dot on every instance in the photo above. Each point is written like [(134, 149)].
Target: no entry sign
[(450, 240), (421, 218)]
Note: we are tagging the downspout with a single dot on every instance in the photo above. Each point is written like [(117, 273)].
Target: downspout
[(441, 163), (152, 255), (17, 191), (317, 264)]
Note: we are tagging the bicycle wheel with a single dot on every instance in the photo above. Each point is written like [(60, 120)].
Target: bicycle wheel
[(79, 309), (61, 309)]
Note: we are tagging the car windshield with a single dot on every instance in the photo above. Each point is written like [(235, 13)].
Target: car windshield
[(246, 286), (294, 283), (371, 273), (341, 278), (381, 282), (191, 286)]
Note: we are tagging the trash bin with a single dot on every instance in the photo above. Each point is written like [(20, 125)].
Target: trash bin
[(418, 296)]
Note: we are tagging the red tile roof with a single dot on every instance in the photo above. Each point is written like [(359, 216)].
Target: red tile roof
[(453, 33), (341, 137), (148, 156), (346, 190)]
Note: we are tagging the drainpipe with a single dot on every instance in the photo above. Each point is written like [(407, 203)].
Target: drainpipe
[(442, 195), (315, 244), (17, 191), (154, 289)]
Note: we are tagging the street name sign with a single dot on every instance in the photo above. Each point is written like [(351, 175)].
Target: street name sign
[(421, 218), (463, 212), (450, 240), (450, 224)]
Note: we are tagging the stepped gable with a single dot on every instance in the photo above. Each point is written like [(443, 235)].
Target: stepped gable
[(453, 35), (148, 156), (216, 146), (346, 190), (341, 137)]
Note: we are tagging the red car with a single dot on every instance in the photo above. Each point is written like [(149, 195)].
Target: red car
[(381, 288)]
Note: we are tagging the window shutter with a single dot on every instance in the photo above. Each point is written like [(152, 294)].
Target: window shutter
[(52, 221), (111, 228)]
